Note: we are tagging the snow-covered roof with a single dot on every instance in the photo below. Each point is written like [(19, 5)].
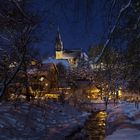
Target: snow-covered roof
[(57, 61), (84, 56), (71, 53), (32, 71)]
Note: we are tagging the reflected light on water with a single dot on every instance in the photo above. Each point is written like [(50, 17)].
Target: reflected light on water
[(96, 126)]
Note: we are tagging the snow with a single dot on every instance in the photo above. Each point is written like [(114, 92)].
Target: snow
[(57, 61), (84, 56), (51, 120), (125, 134), (125, 108), (3, 37), (32, 71), (97, 101), (136, 122), (125, 120), (126, 6)]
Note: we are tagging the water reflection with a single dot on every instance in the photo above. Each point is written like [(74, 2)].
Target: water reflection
[(96, 125)]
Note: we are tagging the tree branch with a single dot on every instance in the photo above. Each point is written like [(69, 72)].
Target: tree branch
[(112, 30), (21, 10), (3, 37)]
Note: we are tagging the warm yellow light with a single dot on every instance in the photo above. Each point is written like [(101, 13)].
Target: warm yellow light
[(119, 92), (41, 79), (71, 61), (59, 54), (63, 88), (33, 63), (102, 114), (56, 96), (95, 90), (46, 84), (66, 93), (68, 88)]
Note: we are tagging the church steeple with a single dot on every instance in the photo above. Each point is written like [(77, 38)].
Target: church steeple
[(58, 46), (58, 42)]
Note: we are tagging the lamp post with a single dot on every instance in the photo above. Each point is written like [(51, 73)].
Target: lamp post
[(41, 80)]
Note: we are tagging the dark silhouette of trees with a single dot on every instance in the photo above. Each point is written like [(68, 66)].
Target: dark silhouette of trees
[(132, 68), (17, 26)]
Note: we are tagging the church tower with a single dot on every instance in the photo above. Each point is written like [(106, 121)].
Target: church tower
[(58, 46)]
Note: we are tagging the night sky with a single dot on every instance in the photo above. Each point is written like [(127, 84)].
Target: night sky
[(77, 30)]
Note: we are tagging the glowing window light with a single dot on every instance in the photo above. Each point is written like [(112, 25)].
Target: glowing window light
[(46, 84), (41, 79)]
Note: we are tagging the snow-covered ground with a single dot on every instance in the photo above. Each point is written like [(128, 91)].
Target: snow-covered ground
[(54, 121), (123, 122), (33, 122)]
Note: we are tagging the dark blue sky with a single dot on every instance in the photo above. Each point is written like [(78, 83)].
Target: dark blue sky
[(75, 31)]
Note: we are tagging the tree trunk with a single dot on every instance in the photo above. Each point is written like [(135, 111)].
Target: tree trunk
[(28, 94), (3, 92)]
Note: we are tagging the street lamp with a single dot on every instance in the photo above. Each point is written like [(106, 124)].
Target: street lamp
[(41, 80)]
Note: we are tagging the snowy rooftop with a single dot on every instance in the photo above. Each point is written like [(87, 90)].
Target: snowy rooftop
[(57, 61)]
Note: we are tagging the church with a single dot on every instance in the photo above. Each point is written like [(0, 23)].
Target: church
[(72, 56), (69, 58)]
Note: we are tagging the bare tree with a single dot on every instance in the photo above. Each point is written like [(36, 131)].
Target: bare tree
[(16, 29)]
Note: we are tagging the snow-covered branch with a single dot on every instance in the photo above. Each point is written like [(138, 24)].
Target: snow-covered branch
[(5, 38), (123, 9)]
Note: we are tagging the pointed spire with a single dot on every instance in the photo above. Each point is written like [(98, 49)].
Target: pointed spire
[(58, 34), (58, 42)]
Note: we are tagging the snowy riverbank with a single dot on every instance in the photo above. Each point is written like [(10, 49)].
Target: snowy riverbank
[(123, 122), (33, 122)]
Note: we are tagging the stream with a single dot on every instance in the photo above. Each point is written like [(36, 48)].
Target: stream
[(96, 126)]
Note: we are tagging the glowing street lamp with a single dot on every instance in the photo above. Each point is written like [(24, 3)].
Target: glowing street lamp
[(46, 84), (41, 79)]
